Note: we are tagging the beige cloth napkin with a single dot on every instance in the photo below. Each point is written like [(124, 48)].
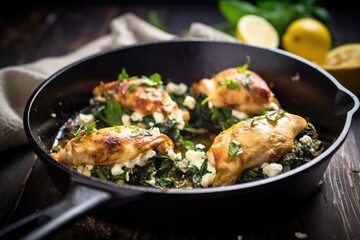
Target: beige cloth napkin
[(18, 82)]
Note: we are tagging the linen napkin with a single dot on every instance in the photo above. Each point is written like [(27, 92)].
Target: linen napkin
[(17, 83)]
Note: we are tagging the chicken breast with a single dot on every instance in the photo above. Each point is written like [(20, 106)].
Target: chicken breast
[(113, 145), (244, 91), (142, 98), (251, 143)]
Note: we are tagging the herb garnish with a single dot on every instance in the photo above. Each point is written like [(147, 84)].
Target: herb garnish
[(274, 115), (123, 75), (235, 148), (153, 80), (230, 83), (243, 68), (85, 129)]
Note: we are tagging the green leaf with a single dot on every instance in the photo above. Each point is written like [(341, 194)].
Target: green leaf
[(230, 83), (123, 75), (233, 10), (85, 129), (244, 67), (113, 113), (187, 144), (154, 19), (274, 115), (132, 87), (235, 148), (156, 78)]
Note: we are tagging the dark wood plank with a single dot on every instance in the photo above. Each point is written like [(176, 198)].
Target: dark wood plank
[(19, 31), (19, 160)]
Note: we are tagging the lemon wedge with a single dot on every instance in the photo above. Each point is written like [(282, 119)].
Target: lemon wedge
[(256, 30), (343, 62), (347, 55)]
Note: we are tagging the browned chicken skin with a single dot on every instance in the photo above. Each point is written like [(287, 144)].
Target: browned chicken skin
[(251, 96), (113, 145), (255, 141)]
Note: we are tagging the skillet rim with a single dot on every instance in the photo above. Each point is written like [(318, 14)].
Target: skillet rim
[(325, 156)]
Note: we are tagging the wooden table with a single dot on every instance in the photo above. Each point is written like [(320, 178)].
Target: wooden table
[(28, 34)]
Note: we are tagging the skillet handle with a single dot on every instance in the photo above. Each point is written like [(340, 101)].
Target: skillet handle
[(78, 201)]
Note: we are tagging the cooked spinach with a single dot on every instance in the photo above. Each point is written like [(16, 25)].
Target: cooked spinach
[(159, 171), (204, 117)]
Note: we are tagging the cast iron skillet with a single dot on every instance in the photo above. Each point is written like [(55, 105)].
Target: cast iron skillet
[(301, 87)]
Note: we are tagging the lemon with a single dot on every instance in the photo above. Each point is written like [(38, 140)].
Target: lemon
[(343, 56), (343, 62), (256, 30), (308, 38)]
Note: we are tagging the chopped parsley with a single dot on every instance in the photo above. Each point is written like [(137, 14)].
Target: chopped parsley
[(274, 115), (230, 83), (235, 148), (243, 68), (123, 75), (85, 129)]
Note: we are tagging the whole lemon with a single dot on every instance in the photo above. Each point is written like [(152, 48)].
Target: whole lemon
[(308, 38)]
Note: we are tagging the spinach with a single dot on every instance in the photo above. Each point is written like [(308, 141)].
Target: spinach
[(251, 174), (170, 129), (160, 169), (196, 174), (113, 113), (203, 117), (303, 153)]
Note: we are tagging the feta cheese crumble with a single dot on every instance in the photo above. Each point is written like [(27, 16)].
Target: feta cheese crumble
[(140, 160), (271, 169), (126, 119), (197, 158), (84, 119), (135, 116), (300, 235), (176, 89), (189, 102), (239, 115)]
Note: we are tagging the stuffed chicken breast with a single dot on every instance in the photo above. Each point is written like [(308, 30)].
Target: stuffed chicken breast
[(124, 145), (242, 90), (252, 142), (144, 97)]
